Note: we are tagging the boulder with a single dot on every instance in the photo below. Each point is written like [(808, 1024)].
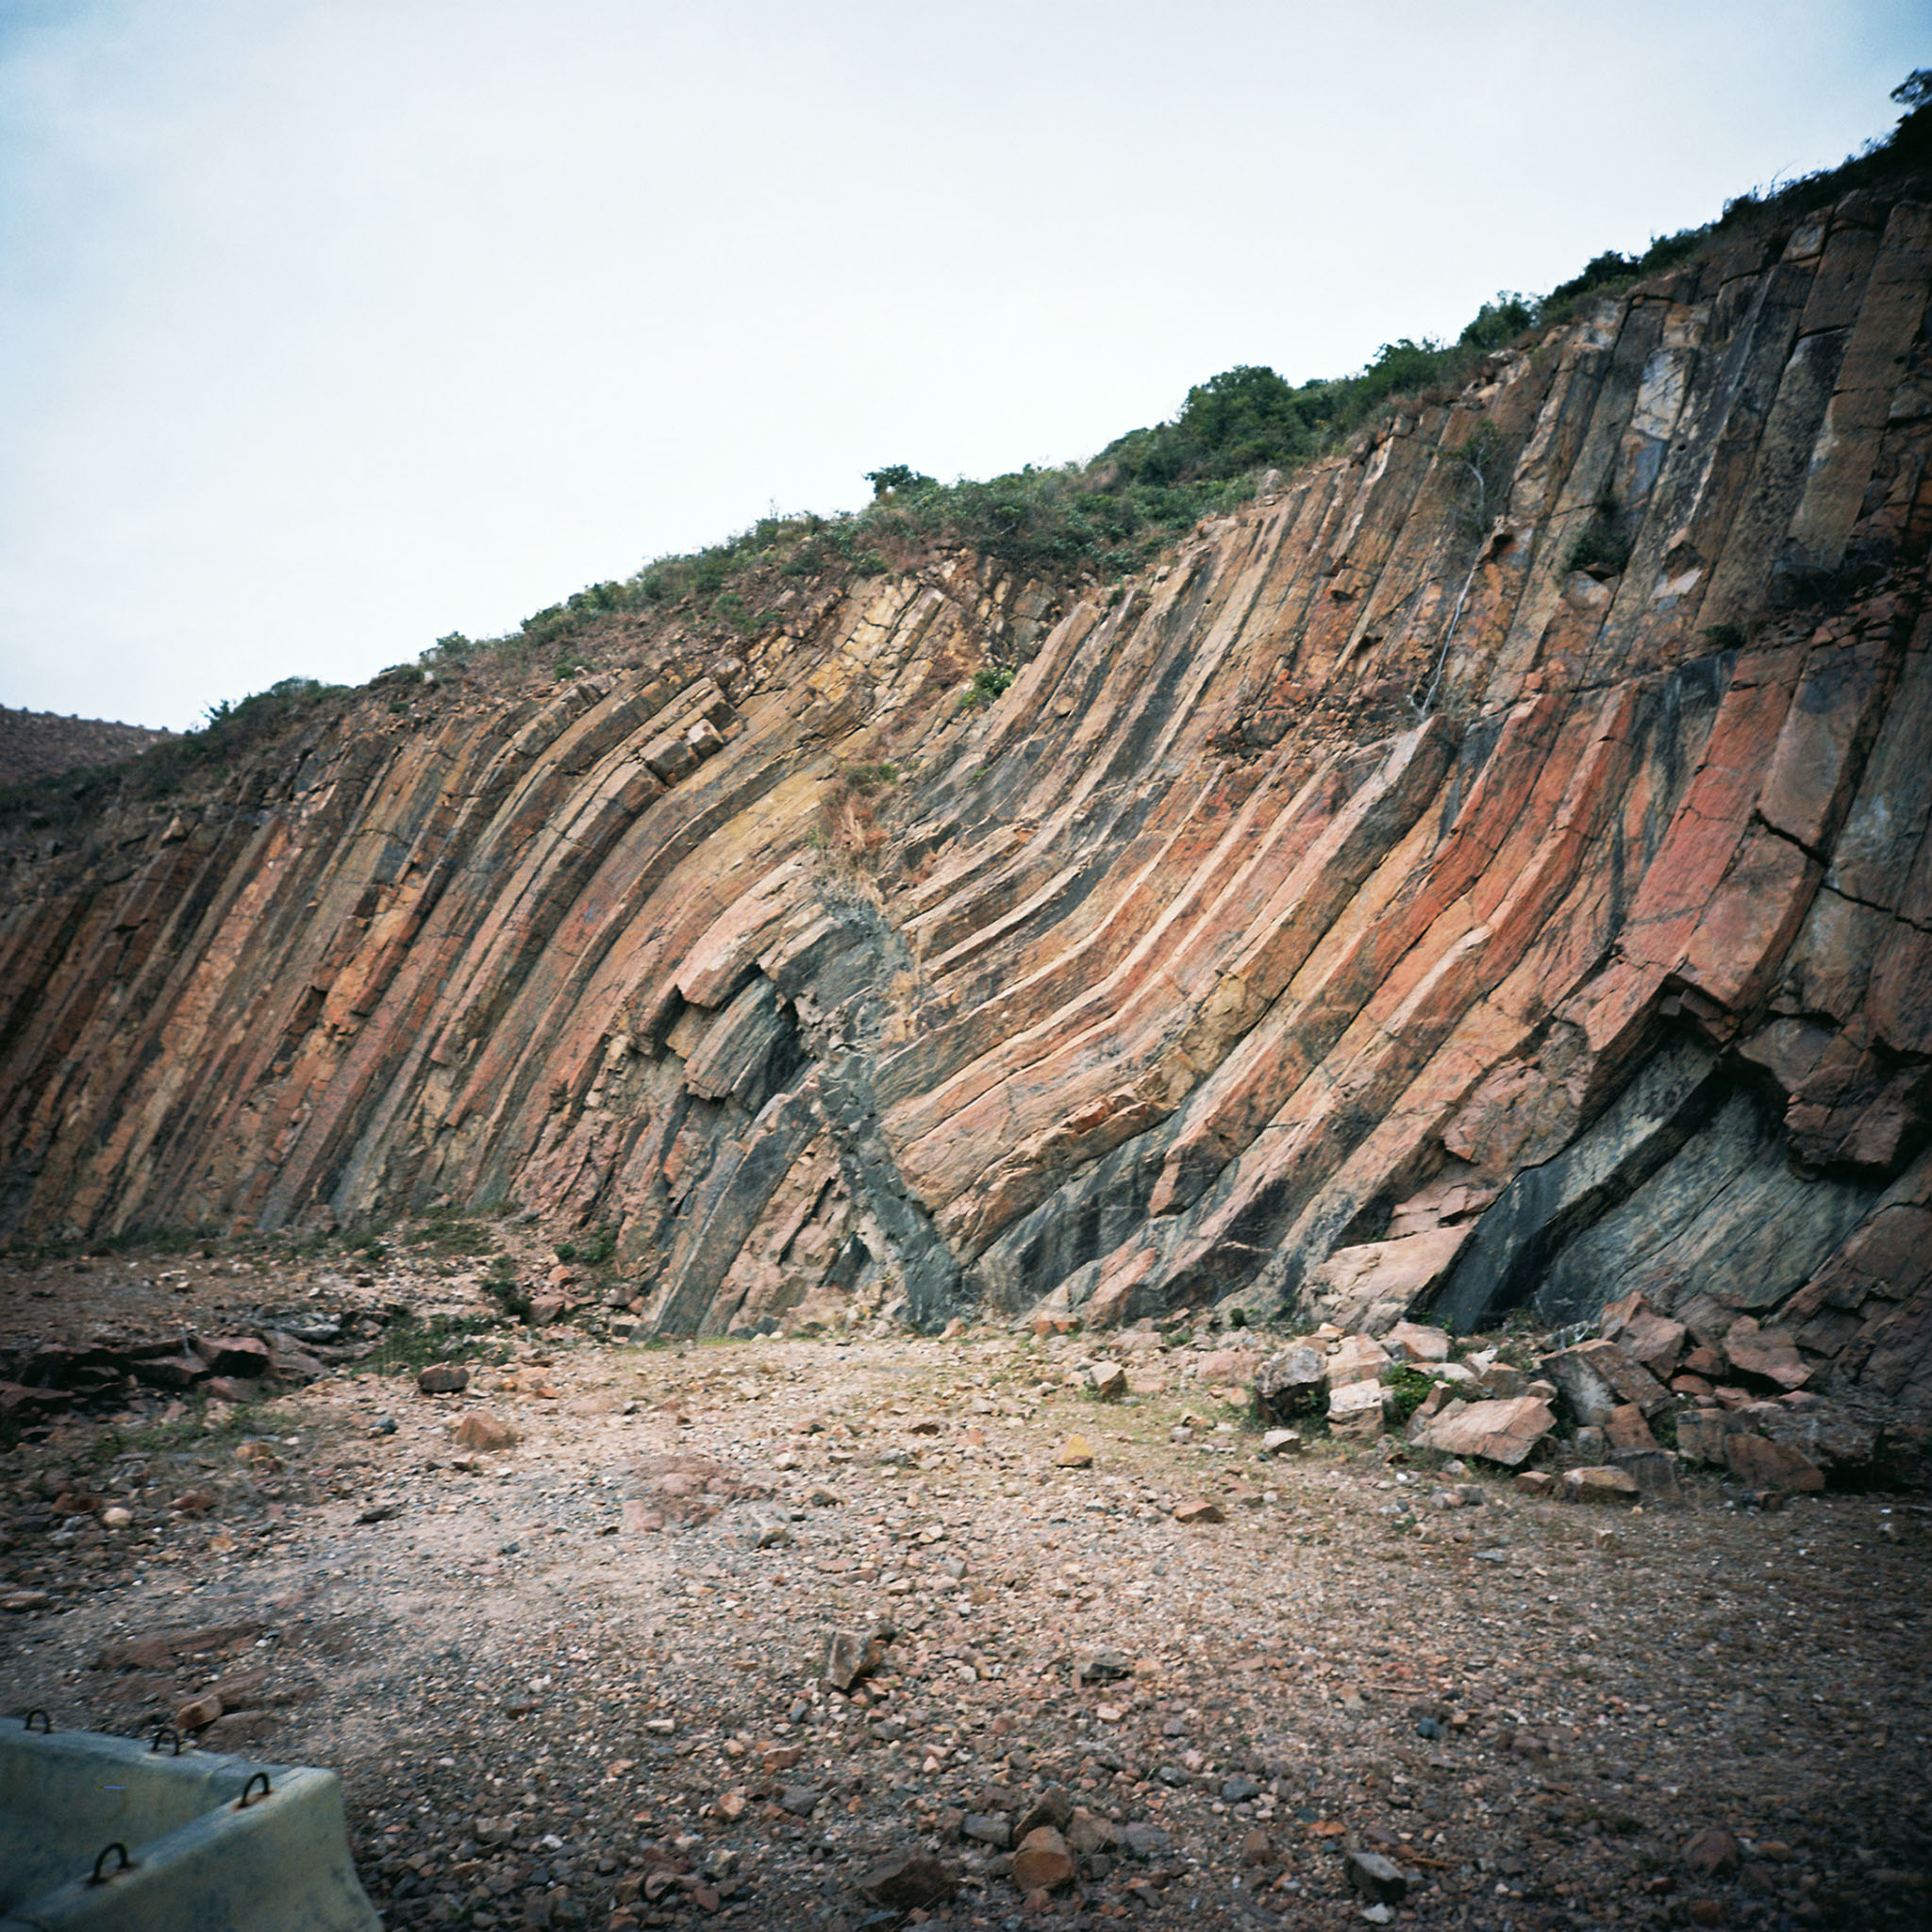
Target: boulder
[(1702, 1434), (479, 1429), (1764, 1358), (1596, 1376), (1499, 1381), (1655, 1471), (1501, 1431), (1042, 1863), (1359, 1358), (1293, 1383), (233, 1354), (1763, 1464), (443, 1378), (906, 1881), (1626, 1428), (1602, 1483), (851, 1655), (1407, 1341), (1356, 1411), (1228, 1368), (1826, 1434), (1644, 1335)]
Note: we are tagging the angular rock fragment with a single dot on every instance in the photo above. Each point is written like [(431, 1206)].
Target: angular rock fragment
[(1042, 1863), (1359, 1358), (1198, 1509), (1377, 1878), (1076, 1453), (906, 1881), (1600, 1485), (1142, 1838), (1088, 1832), (1712, 1853), (1292, 1384), (1356, 1411), (443, 1378), (1407, 1341), (1504, 1432), (1597, 1376), (1110, 1380), (1053, 1806), (1762, 1464), (479, 1429), (850, 1654), (1763, 1357), (233, 1354)]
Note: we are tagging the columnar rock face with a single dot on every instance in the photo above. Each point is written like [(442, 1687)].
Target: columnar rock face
[(1364, 908)]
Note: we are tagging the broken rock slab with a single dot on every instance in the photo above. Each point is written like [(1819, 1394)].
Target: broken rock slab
[(1764, 1358), (1655, 1471), (1497, 1431), (1644, 1334), (906, 1881), (1762, 1464), (1359, 1358), (1408, 1341), (1597, 1376), (1602, 1483)]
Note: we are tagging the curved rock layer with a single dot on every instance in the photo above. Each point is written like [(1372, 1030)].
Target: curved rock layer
[(1364, 908)]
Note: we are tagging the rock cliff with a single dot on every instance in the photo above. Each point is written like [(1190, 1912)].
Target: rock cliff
[(1367, 908)]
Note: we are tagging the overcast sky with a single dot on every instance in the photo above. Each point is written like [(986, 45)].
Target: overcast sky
[(327, 326)]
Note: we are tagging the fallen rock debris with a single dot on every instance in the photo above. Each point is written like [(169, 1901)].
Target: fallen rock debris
[(1210, 1673)]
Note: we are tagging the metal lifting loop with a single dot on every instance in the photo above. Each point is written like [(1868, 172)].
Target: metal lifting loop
[(127, 1864), (267, 1790), (164, 1731), (47, 1722)]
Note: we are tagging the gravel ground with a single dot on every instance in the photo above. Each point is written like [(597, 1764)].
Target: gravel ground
[(550, 1712)]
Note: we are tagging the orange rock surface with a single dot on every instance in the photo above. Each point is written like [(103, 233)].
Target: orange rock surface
[(1299, 927)]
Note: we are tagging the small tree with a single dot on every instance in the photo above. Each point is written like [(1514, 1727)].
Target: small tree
[(895, 477)]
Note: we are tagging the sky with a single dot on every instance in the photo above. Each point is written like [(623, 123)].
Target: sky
[(330, 326)]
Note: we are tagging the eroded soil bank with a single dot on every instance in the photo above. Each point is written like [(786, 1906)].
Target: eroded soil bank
[(551, 1713)]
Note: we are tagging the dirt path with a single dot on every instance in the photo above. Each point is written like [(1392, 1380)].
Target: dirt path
[(549, 1712)]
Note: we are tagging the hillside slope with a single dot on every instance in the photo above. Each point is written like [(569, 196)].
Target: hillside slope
[(1364, 906), (38, 744)]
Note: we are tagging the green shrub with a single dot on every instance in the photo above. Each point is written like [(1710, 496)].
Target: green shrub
[(595, 1251), (1407, 1388), (1603, 547), (898, 480), (989, 681)]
